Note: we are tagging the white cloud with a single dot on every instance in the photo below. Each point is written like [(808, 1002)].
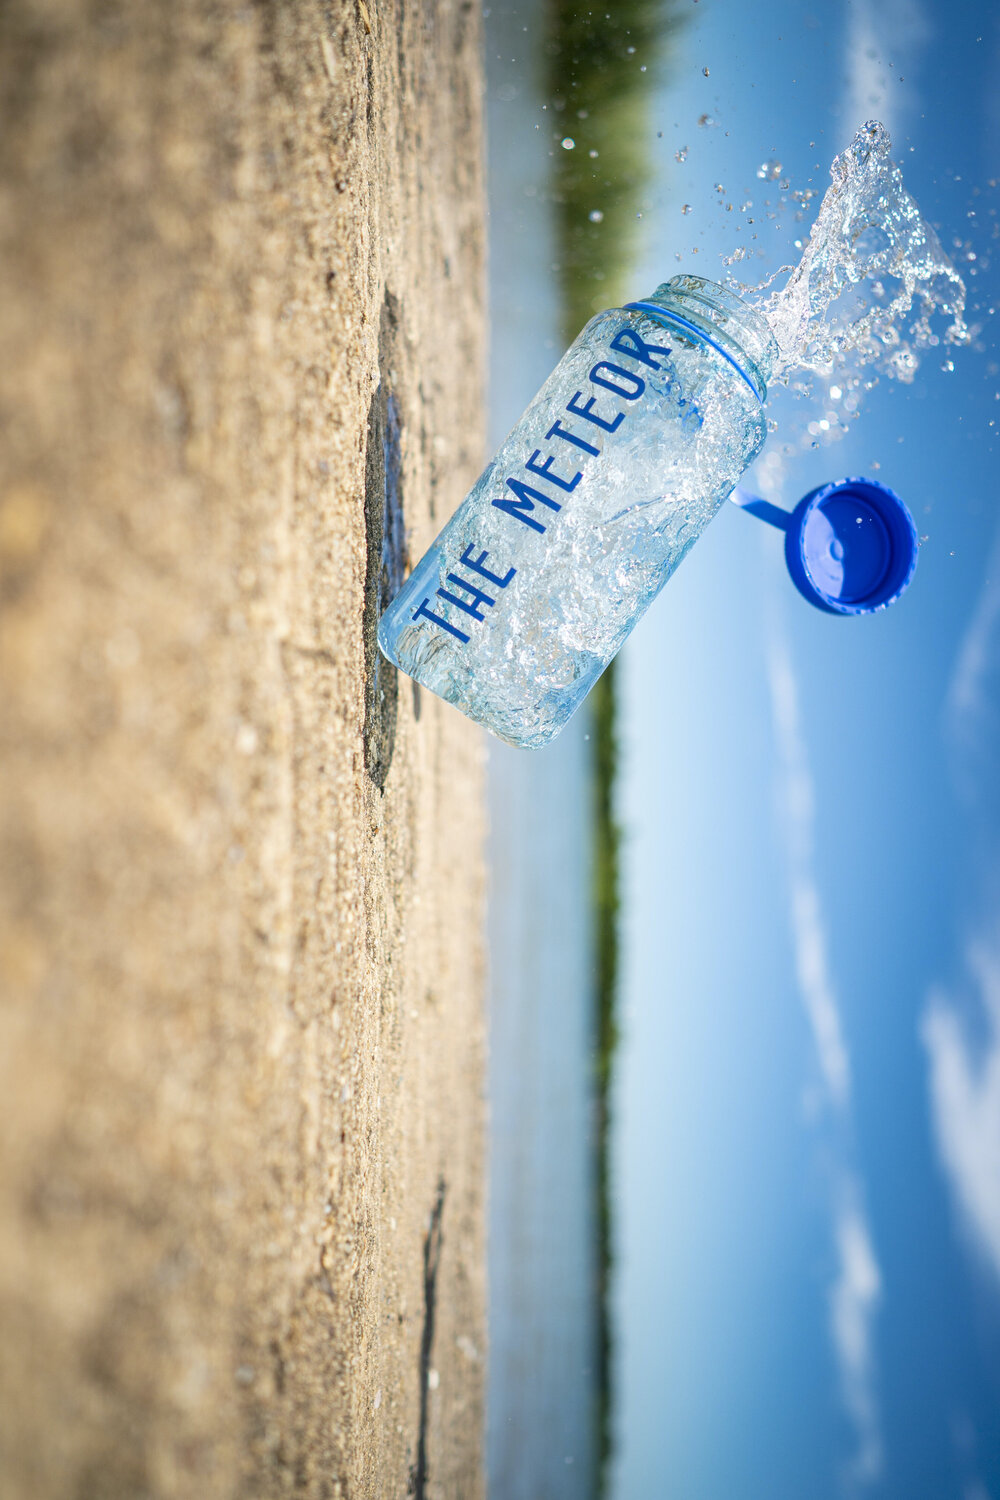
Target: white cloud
[(808, 929), (884, 42), (856, 1288), (965, 1102), (967, 700), (976, 1490), (964, 1078), (973, 701), (853, 1301)]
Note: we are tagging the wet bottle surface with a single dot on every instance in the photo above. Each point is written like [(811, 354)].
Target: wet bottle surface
[(631, 446)]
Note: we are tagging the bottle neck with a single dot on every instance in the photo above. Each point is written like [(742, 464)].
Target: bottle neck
[(715, 315)]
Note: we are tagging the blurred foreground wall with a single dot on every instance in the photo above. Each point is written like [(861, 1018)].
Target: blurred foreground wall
[(240, 873)]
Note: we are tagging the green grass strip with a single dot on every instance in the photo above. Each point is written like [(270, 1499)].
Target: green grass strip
[(603, 63)]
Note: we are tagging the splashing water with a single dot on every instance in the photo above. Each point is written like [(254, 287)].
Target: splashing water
[(873, 279)]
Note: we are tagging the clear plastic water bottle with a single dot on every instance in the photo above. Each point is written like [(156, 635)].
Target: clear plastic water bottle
[(631, 446)]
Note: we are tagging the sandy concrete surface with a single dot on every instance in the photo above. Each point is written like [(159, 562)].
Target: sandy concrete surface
[(241, 1032)]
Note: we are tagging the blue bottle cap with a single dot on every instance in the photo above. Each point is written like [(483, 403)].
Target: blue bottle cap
[(851, 547)]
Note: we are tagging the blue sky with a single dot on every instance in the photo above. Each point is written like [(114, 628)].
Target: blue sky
[(807, 1136)]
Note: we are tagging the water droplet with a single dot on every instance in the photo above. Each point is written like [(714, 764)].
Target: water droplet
[(686, 208), (593, 155), (948, 366), (595, 216), (568, 143), (681, 155), (705, 71)]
